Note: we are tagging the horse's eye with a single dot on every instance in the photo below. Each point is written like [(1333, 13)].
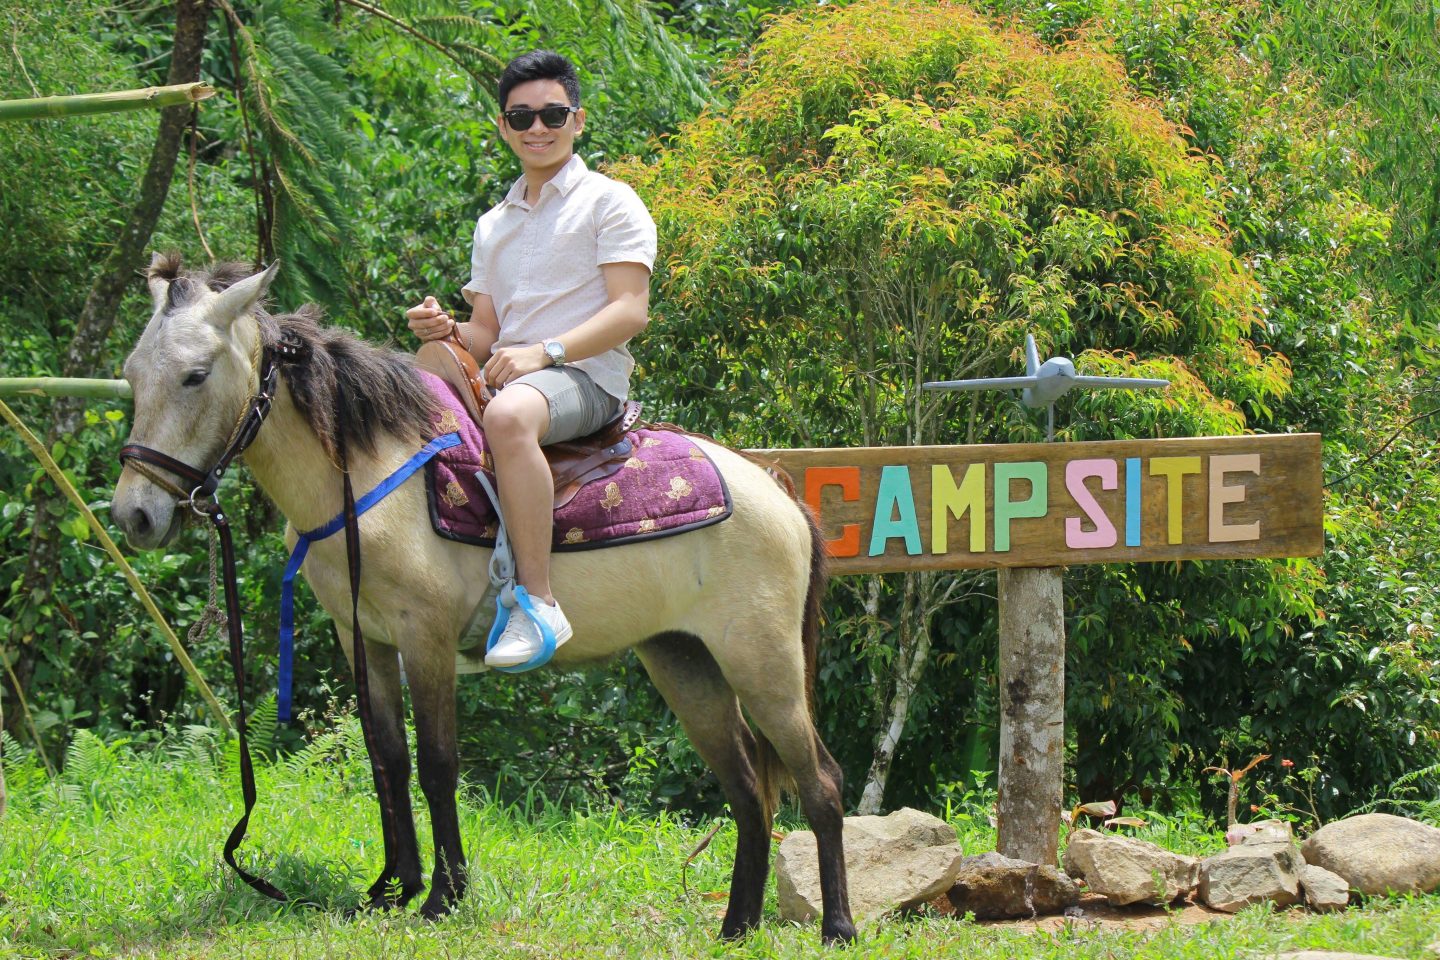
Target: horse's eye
[(196, 378)]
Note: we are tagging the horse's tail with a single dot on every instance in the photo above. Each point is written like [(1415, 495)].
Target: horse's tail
[(770, 774)]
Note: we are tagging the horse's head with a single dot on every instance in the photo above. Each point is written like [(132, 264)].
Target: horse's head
[(192, 373)]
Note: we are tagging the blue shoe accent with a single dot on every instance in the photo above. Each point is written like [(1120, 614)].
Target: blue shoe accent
[(503, 613)]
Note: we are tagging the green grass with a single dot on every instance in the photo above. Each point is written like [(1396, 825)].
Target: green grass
[(120, 857)]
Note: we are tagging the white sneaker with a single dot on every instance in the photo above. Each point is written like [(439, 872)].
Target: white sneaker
[(520, 641)]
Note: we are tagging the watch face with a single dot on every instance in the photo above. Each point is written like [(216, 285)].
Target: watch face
[(555, 350)]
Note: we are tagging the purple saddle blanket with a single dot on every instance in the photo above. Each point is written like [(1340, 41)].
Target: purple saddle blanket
[(668, 486)]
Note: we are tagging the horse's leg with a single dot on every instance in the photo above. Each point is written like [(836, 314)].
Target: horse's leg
[(402, 849), (692, 684), (773, 691), (431, 673)]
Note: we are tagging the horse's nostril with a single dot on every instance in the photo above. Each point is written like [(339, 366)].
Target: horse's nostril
[(143, 523)]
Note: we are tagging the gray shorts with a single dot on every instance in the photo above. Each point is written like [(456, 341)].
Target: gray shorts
[(577, 406)]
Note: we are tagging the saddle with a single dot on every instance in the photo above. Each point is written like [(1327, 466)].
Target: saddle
[(573, 463)]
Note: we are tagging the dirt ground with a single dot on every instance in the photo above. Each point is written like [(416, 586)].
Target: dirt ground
[(1094, 913)]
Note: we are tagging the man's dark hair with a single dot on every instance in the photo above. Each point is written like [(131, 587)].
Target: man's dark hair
[(540, 65)]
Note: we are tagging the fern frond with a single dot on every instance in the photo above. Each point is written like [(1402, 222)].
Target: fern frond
[(262, 726), (86, 759)]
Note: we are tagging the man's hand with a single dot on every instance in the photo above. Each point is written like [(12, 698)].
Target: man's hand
[(507, 363), (429, 321)]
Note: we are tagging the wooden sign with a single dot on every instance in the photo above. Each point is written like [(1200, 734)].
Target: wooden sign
[(888, 509)]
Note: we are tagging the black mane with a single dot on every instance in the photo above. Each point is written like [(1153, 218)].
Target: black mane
[(382, 391)]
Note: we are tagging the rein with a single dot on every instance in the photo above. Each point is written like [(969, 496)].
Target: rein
[(201, 499)]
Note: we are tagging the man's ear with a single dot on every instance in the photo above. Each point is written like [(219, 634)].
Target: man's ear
[(240, 298), (579, 121)]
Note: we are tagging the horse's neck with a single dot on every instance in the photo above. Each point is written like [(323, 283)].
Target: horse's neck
[(291, 467)]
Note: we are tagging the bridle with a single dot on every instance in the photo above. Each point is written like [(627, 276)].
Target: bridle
[(201, 499), (200, 485)]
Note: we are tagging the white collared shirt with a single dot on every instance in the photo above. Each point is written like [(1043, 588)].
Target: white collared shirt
[(541, 264)]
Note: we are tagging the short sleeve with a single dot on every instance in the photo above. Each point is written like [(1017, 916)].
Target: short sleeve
[(479, 282), (626, 232)]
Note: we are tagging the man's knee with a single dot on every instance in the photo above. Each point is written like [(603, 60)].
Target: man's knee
[(519, 414)]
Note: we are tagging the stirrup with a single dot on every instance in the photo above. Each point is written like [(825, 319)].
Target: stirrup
[(520, 597)]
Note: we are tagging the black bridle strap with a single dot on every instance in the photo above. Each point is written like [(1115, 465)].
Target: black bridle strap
[(237, 665), (362, 683), (388, 820)]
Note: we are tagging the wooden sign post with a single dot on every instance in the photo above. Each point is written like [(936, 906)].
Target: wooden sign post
[(1032, 509)]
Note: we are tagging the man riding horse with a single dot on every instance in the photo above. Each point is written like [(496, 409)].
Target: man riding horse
[(559, 283)]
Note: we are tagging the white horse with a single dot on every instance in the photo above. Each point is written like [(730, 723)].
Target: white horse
[(721, 617)]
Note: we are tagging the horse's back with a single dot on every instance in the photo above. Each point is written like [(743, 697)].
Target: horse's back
[(755, 563)]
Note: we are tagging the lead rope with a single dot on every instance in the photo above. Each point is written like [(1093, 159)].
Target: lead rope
[(211, 616), (221, 532)]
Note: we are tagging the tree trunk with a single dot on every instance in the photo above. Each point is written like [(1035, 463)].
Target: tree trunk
[(1032, 713), (97, 317), (914, 653)]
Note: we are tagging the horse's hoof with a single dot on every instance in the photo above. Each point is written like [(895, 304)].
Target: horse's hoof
[(436, 907), (731, 931), (837, 935), (386, 895)]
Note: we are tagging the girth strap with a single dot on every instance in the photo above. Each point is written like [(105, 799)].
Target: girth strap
[(286, 669)]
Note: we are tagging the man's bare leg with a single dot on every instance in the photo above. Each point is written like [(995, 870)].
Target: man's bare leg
[(515, 420)]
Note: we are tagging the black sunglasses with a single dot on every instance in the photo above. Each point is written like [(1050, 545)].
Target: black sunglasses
[(522, 118)]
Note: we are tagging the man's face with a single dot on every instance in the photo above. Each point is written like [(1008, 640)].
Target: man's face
[(540, 148)]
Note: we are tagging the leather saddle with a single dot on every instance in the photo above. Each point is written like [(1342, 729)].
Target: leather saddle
[(573, 463)]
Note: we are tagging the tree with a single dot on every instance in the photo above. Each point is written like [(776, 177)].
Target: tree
[(899, 193), (97, 317)]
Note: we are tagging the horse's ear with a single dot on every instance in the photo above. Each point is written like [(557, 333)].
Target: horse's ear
[(238, 299), (163, 267)]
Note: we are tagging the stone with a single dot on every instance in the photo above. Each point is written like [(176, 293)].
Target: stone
[(1126, 871), (1263, 831), (892, 862), (1323, 891), (993, 887), (1251, 873), (1378, 853)]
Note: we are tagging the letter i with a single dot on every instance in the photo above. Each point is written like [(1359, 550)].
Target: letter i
[(1132, 501)]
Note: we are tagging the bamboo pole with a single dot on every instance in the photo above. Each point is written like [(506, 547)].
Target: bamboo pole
[(116, 101), (58, 476), (64, 387)]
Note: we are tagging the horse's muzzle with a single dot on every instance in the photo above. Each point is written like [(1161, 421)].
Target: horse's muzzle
[(147, 516)]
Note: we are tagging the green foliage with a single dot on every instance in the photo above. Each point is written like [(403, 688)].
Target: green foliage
[(1229, 194), (138, 874)]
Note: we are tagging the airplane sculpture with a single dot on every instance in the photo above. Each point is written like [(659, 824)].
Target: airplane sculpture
[(1044, 383)]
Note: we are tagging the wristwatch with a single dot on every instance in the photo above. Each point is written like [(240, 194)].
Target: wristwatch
[(555, 350)]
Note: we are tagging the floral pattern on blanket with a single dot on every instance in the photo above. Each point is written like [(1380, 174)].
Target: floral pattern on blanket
[(667, 486)]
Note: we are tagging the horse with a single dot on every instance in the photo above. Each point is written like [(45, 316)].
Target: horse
[(722, 617)]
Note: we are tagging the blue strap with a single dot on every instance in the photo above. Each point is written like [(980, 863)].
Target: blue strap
[(503, 612), (286, 670)]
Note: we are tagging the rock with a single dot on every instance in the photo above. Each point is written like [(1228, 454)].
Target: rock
[(1128, 871), (1263, 831), (993, 887), (1323, 891), (1251, 873), (896, 861), (1378, 853)]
